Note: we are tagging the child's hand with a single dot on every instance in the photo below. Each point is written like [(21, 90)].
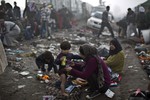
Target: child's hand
[(62, 58)]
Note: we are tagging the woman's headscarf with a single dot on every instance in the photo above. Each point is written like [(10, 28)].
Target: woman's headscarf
[(117, 45), (88, 50)]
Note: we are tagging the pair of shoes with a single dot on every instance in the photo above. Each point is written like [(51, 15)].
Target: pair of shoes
[(93, 95)]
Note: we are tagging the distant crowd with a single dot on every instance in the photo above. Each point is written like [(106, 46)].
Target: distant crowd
[(37, 21), (132, 20)]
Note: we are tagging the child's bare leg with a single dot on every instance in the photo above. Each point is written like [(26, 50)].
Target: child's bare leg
[(62, 86)]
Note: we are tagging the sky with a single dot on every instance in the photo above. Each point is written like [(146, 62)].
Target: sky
[(20, 3), (117, 7)]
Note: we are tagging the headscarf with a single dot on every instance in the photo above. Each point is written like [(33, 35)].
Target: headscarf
[(117, 45), (141, 9), (88, 50)]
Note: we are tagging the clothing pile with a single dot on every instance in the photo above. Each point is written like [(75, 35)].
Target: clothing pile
[(115, 79), (144, 58), (139, 95)]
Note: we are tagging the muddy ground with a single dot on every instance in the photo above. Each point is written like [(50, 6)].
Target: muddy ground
[(14, 86)]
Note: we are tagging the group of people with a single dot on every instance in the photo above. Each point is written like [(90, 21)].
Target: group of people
[(129, 23), (44, 20), (35, 22), (9, 30), (134, 22), (93, 69)]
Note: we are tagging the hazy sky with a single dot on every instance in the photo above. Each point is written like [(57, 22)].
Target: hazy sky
[(20, 3), (117, 6)]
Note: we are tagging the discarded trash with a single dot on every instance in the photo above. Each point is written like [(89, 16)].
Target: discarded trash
[(113, 84), (29, 77), (24, 73), (70, 88), (109, 93), (39, 72), (48, 97), (28, 54), (18, 51), (130, 66), (11, 53), (21, 86), (132, 34), (39, 76), (18, 59), (46, 81), (41, 81), (44, 78)]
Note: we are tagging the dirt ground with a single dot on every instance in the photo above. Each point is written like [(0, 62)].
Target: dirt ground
[(14, 86)]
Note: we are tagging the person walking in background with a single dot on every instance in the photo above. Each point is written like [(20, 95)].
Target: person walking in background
[(106, 22), (2, 10), (122, 27), (131, 19), (148, 17), (17, 12), (141, 20)]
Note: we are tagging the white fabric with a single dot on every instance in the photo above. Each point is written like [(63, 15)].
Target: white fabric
[(131, 29), (141, 9), (11, 35)]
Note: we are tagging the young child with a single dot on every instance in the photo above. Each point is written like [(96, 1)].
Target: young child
[(46, 58), (64, 59)]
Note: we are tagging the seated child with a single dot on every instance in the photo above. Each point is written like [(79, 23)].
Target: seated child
[(63, 59), (46, 58)]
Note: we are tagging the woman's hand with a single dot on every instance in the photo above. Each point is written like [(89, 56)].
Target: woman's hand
[(68, 69), (72, 63)]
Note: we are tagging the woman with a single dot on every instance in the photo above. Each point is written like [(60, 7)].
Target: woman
[(116, 56), (95, 71)]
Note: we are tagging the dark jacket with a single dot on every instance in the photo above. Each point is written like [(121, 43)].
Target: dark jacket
[(105, 16), (41, 60), (131, 17), (141, 20), (17, 12)]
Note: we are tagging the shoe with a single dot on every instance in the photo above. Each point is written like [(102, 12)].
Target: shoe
[(88, 90), (93, 95)]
